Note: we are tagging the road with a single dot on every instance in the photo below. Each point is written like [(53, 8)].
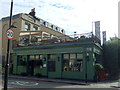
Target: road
[(25, 83)]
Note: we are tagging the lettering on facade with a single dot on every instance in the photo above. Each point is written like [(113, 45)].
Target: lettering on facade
[(88, 49)]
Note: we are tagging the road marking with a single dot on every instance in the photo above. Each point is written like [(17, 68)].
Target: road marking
[(22, 83)]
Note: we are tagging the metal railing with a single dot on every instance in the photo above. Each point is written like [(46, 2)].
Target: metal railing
[(86, 37)]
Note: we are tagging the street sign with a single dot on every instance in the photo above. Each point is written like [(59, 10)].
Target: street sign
[(10, 34)]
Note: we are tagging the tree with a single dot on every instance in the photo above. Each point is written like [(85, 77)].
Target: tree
[(111, 59)]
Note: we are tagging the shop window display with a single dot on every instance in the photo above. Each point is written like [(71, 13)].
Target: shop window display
[(73, 62)]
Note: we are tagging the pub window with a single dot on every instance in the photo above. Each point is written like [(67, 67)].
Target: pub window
[(41, 56), (79, 56), (27, 27), (52, 56), (78, 65), (21, 60), (71, 65), (72, 62), (66, 65), (72, 56), (32, 57), (37, 57), (66, 56)]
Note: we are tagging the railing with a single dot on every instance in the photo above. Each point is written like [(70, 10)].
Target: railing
[(86, 37)]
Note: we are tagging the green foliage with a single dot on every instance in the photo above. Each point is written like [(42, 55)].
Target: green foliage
[(111, 52), (98, 67)]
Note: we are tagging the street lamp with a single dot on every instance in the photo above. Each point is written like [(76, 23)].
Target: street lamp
[(8, 51)]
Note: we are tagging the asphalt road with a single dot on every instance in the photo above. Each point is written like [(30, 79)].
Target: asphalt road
[(25, 83)]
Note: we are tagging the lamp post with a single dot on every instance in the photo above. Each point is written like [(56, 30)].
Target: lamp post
[(8, 51)]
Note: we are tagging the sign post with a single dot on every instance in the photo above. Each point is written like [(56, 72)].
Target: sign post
[(9, 36)]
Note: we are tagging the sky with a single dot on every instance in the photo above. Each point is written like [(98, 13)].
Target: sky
[(71, 15)]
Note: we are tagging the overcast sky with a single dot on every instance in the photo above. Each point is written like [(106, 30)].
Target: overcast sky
[(71, 15)]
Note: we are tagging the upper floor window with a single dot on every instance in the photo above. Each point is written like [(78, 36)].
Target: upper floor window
[(51, 26), (24, 40), (27, 27), (57, 29), (35, 28), (42, 22), (62, 31)]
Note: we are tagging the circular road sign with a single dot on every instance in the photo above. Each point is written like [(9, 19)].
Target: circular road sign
[(10, 34)]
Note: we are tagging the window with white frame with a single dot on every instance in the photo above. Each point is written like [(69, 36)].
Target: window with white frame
[(35, 28), (27, 27), (72, 62)]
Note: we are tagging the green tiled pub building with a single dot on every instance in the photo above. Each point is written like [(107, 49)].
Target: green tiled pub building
[(68, 60)]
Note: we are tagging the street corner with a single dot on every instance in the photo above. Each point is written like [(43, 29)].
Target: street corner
[(1, 87), (116, 85)]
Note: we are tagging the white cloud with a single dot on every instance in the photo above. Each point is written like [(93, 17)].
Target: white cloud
[(72, 15)]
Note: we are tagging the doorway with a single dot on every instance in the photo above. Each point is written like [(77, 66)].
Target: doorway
[(30, 69)]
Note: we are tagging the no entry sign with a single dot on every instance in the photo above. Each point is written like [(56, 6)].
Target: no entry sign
[(10, 34)]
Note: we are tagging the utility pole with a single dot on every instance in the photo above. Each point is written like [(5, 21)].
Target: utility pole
[(8, 51)]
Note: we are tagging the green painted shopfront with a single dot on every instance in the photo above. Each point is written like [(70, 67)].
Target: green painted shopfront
[(68, 60)]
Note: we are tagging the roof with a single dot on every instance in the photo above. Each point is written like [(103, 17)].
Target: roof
[(13, 17)]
